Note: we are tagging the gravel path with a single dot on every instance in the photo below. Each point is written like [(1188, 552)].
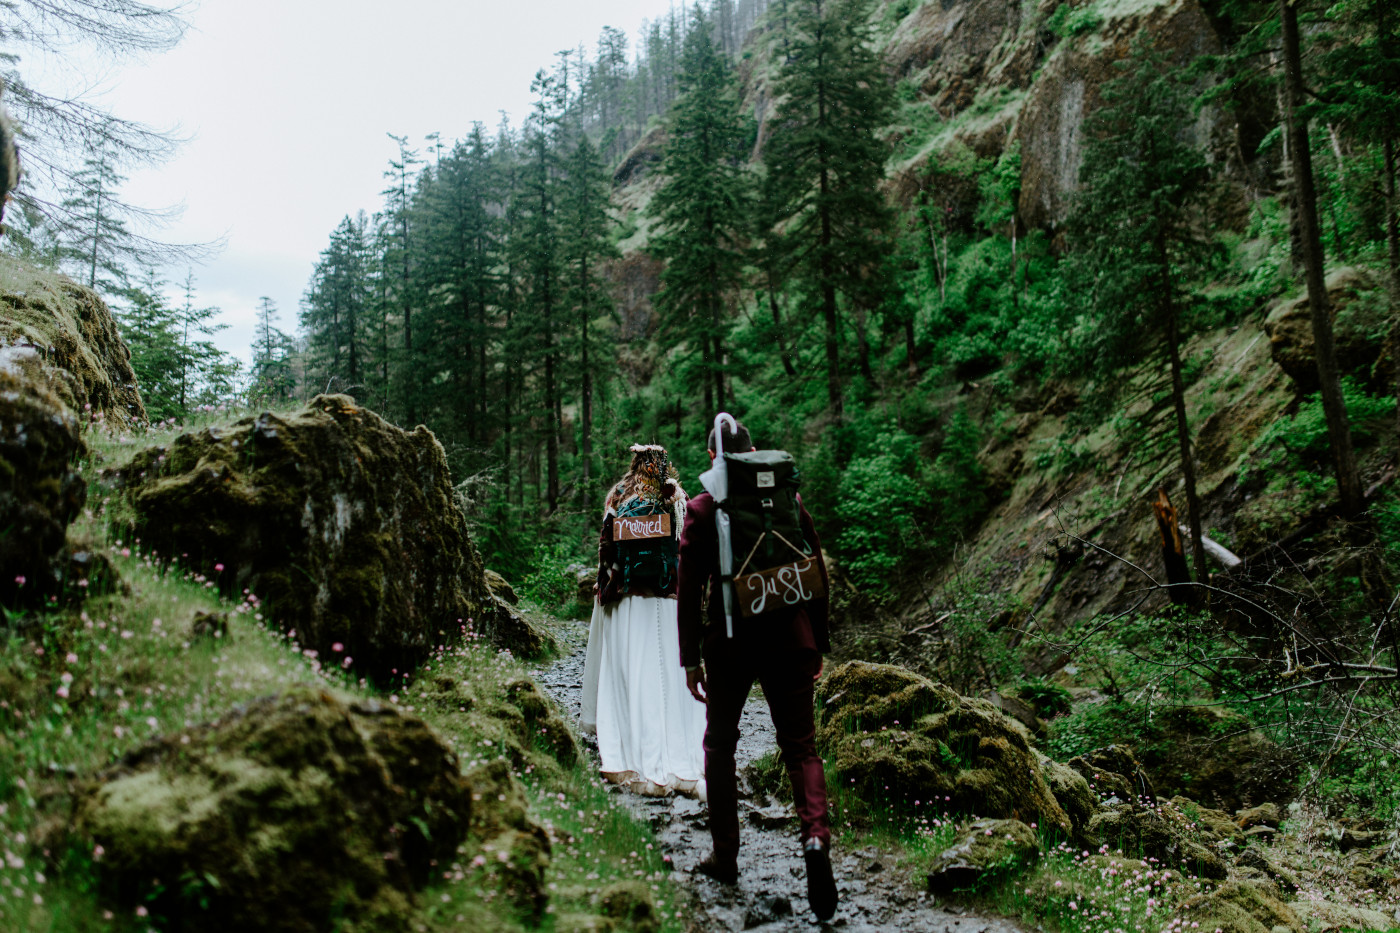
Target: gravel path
[(876, 895)]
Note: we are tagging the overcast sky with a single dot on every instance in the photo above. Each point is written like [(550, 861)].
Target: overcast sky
[(288, 103)]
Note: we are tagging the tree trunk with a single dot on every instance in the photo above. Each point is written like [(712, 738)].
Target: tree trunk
[(1183, 436), (1392, 248), (783, 350), (1305, 200), (1173, 555), (911, 350)]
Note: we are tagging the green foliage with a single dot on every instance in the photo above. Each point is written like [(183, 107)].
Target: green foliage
[(1068, 21), (1299, 441), (878, 500), (1048, 699)]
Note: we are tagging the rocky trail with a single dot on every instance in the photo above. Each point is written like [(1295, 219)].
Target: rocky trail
[(876, 894)]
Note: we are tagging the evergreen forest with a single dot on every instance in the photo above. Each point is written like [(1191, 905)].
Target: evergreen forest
[(1081, 319)]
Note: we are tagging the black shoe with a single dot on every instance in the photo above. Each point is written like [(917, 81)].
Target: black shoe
[(722, 871), (821, 886)]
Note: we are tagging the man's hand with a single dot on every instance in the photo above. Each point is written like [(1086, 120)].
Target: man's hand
[(695, 681), (821, 665)]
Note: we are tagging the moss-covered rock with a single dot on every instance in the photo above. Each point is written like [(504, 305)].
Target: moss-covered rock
[(1072, 792), (293, 812), (1326, 917), (1114, 774), (1238, 907), (1163, 833), (630, 905), (988, 849), (894, 735), (1361, 321), (343, 524), (1266, 814), (72, 328), (41, 491), (515, 849)]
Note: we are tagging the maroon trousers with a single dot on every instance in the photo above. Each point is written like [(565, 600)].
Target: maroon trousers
[(787, 675)]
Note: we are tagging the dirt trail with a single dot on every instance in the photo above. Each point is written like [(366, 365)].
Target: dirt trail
[(772, 892)]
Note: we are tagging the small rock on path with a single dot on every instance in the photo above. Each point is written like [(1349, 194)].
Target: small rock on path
[(876, 895)]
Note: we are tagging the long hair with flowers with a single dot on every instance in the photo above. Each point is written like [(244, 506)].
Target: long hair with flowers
[(651, 477)]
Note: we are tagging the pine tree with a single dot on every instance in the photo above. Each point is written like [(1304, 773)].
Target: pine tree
[(826, 163), (335, 309), (1138, 237), (1305, 207), (539, 267), (151, 330), (96, 241), (272, 380), (396, 265), (204, 369), (586, 246), (701, 206)]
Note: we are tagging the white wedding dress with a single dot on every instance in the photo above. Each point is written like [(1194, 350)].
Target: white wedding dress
[(635, 699)]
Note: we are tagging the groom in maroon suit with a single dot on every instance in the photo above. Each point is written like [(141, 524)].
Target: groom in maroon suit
[(783, 652)]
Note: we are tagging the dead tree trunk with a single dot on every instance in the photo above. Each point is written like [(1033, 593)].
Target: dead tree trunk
[(1173, 552)]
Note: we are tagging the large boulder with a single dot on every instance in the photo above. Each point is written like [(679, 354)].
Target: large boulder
[(1162, 832), (294, 812), (1072, 792), (41, 491), (1360, 322), (1113, 772), (1215, 756), (342, 524), (986, 850), (73, 329), (894, 735), (1238, 907)]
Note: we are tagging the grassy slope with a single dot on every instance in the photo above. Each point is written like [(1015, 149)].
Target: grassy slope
[(80, 686)]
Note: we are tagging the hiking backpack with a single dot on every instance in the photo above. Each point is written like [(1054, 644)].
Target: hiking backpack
[(647, 545), (774, 564)]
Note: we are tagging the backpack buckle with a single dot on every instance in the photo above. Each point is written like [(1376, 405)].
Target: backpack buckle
[(766, 503)]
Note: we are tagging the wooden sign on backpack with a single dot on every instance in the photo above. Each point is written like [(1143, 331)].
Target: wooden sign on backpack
[(639, 527), (779, 587)]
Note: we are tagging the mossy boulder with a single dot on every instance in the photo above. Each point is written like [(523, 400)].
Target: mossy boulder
[(631, 906), (41, 491), (1238, 907), (1072, 792), (1215, 756), (894, 735), (73, 330), (1361, 321), (293, 812), (515, 850), (987, 850), (1114, 774), (1326, 917), (1163, 833), (342, 524)]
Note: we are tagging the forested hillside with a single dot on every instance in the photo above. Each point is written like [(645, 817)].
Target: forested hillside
[(995, 272), (1080, 321)]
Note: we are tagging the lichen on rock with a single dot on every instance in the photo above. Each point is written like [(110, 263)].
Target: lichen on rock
[(344, 526), (292, 812)]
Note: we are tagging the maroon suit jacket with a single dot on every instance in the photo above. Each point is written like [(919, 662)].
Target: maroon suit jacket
[(802, 627)]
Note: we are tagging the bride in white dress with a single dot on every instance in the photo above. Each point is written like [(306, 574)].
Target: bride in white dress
[(635, 699)]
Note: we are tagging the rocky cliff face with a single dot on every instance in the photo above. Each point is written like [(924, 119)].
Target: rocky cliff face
[(341, 523)]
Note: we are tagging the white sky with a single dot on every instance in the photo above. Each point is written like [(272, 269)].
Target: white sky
[(288, 103)]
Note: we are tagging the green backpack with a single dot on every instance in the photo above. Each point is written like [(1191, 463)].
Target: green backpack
[(764, 520), (773, 566), (648, 559)]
